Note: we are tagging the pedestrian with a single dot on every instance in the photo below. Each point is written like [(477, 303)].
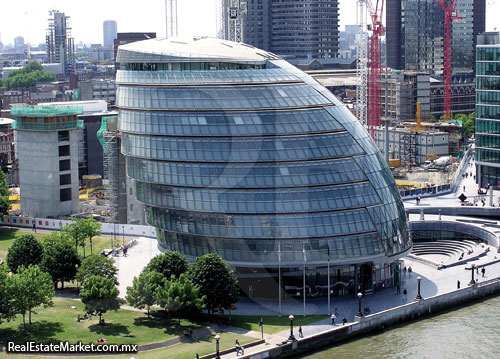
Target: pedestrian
[(301, 335), (34, 226), (458, 284), (237, 347), (483, 271), (477, 270), (398, 290), (344, 320), (409, 270), (404, 270), (405, 293), (464, 188), (336, 311), (333, 318)]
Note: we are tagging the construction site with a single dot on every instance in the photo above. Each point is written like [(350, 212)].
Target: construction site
[(391, 105)]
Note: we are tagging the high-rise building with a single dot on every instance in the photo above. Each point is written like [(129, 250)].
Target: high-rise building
[(488, 109), (299, 29), (415, 30), (18, 42), (235, 151), (60, 44), (109, 32), (47, 148)]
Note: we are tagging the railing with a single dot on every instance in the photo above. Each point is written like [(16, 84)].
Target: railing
[(41, 126)]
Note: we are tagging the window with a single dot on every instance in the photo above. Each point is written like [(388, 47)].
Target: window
[(63, 151), (64, 179), (63, 136), (65, 194), (64, 165)]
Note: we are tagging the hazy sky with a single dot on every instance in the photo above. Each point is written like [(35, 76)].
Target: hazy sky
[(28, 18)]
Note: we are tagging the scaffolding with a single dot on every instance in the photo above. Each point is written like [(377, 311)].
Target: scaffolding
[(409, 146), (109, 137)]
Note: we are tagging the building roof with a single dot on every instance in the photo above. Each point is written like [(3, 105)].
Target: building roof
[(204, 49)]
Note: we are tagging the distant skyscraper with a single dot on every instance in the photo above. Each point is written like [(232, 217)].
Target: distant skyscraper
[(60, 44), (109, 32), (293, 28), (18, 41), (415, 35)]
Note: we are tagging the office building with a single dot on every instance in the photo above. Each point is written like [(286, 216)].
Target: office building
[(60, 43), (19, 42), (235, 151), (109, 33), (488, 109), (47, 149), (123, 38), (415, 30)]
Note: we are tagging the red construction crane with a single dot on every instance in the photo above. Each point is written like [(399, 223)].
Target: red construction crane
[(374, 62), (450, 13)]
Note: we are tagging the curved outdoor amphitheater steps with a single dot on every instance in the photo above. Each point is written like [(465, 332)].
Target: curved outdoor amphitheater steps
[(447, 252)]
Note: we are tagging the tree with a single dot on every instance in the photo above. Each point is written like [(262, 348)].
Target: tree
[(216, 281), (99, 295), (25, 250), (74, 231), (30, 288), (4, 195), (89, 228), (98, 265), (469, 125), (142, 292), (180, 297), (168, 263), (6, 299), (59, 258), (28, 76)]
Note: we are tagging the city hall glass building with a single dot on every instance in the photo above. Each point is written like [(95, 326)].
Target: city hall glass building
[(235, 151)]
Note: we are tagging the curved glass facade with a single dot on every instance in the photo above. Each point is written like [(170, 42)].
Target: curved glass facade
[(261, 165)]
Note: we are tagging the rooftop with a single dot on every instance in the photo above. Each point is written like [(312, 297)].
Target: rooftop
[(45, 111), (177, 49)]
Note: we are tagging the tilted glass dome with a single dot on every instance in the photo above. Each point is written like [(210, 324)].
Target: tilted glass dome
[(235, 151)]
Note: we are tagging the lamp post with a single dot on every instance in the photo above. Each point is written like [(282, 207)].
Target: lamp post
[(291, 337), (418, 297), (360, 295), (261, 325), (217, 338), (472, 281)]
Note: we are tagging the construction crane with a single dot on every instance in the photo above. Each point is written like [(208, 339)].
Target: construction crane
[(171, 15), (450, 13), (235, 12), (369, 63)]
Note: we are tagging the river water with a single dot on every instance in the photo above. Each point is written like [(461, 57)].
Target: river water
[(469, 332)]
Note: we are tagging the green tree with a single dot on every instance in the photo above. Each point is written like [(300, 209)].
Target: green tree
[(142, 292), (28, 76), (90, 229), (59, 258), (4, 195), (469, 125), (24, 251), (168, 263), (216, 281), (75, 232), (30, 288), (180, 297), (98, 265), (6, 299), (99, 295)]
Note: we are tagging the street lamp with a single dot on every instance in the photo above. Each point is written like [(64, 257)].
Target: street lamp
[(472, 281), (217, 338), (360, 295), (418, 297), (291, 337)]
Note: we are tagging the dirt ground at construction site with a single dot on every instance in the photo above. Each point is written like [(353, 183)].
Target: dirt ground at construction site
[(434, 178)]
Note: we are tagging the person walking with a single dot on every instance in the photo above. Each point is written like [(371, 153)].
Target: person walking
[(483, 271), (237, 347), (410, 270), (301, 335), (405, 293), (336, 312), (398, 290), (34, 226), (333, 318), (458, 284), (344, 320)]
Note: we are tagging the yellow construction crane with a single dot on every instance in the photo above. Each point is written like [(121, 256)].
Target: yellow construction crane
[(429, 155), (418, 127)]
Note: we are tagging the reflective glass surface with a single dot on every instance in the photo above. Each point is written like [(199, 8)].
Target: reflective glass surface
[(286, 200), (262, 226), (237, 149), (288, 174), (228, 123), (218, 97)]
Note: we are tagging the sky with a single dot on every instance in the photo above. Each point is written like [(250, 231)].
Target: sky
[(29, 18)]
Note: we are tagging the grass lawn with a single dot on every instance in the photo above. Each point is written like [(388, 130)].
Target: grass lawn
[(272, 324), (58, 323), (7, 238)]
